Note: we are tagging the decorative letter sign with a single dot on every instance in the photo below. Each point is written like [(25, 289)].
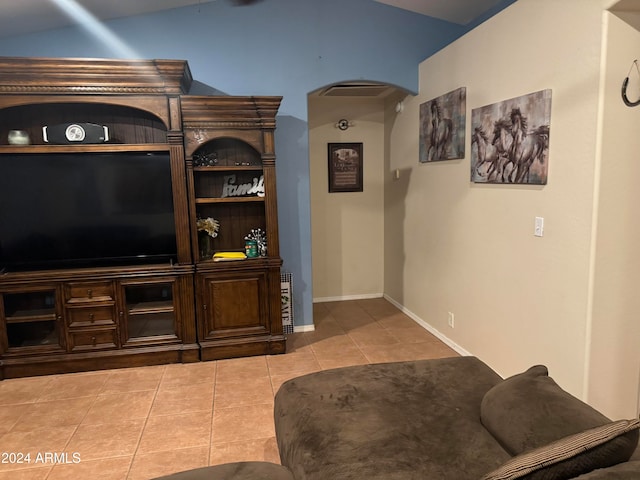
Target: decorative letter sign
[(230, 189)]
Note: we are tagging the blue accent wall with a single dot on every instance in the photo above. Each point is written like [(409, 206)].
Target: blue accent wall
[(274, 47)]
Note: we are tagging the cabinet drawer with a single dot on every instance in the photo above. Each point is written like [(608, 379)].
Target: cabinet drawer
[(76, 292), (92, 339), (90, 316)]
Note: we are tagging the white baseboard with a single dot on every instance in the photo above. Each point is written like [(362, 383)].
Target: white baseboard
[(303, 328), (348, 297), (429, 328), (440, 336)]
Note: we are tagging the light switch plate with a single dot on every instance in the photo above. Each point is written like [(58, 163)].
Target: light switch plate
[(538, 230)]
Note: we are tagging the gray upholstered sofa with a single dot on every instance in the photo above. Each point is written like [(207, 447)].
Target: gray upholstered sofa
[(452, 418)]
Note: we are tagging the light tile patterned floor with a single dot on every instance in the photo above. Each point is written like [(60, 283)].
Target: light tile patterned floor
[(139, 423)]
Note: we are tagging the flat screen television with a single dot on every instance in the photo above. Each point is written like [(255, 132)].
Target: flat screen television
[(63, 210)]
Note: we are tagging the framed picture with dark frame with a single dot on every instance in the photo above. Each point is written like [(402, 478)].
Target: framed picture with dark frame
[(345, 167)]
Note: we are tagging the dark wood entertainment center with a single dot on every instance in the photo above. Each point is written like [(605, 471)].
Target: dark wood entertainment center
[(189, 307)]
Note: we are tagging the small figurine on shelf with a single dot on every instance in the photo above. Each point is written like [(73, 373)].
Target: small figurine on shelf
[(260, 237), (207, 231)]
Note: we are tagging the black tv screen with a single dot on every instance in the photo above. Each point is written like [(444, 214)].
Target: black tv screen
[(85, 209)]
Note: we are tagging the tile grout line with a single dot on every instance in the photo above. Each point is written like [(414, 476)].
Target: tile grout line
[(144, 425), (75, 430), (213, 412)]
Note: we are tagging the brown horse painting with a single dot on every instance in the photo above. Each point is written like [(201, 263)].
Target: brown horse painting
[(440, 137), (526, 146)]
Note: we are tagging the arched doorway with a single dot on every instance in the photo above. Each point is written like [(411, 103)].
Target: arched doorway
[(347, 227)]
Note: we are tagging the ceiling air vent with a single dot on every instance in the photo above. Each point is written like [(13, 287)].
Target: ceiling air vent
[(355, 90)]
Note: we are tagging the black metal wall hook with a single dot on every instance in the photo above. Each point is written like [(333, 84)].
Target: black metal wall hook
[(625, 83)]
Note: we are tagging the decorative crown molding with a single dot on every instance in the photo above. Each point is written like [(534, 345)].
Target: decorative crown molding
[(99, 76)]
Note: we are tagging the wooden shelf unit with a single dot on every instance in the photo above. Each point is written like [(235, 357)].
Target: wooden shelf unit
[(238, 303)]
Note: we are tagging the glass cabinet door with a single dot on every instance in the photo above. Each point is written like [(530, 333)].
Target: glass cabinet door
[(32, 320), (149, 311)]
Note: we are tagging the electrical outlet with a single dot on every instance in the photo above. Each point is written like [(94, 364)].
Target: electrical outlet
[(450, 319)]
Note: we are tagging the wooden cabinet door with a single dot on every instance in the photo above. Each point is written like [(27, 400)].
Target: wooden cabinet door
[(233, 304)]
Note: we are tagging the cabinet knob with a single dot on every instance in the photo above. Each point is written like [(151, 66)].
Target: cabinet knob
[(93, 341), (90, 293), (204, 306), (91, 319)]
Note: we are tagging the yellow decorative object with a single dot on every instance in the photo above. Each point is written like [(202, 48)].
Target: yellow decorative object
[(226, 256)]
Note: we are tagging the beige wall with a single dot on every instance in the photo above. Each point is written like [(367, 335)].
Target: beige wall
[(454, 246), (347, 228), (615, 333), (442, 244)]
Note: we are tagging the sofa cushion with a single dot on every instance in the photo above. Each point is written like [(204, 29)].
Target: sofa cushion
[(530, 410), (599, 447), (392, 421)]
